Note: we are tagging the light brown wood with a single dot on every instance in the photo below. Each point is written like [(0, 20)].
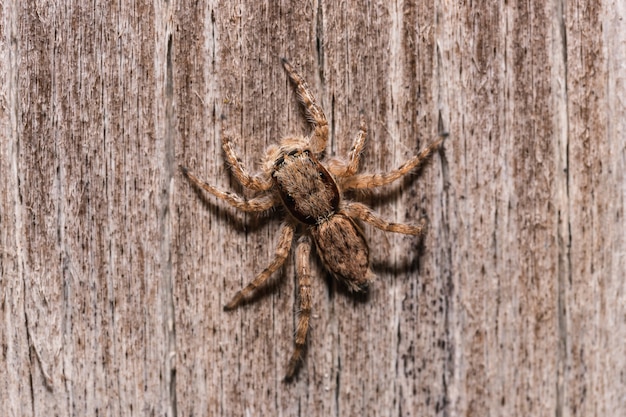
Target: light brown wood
[(114, 272)]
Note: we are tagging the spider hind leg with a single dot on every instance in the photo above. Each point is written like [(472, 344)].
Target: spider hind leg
[(303, 272)]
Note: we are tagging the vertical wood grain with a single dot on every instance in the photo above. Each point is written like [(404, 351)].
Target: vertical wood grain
[(114, 271)]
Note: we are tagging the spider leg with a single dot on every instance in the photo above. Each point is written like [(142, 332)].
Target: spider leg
[(314, 113), (361, 211), (257, 183), (303, 272), (282, 251), (376, 180), (340, 168), (254, 204)]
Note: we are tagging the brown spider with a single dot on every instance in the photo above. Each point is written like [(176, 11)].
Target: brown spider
[(312, 193)]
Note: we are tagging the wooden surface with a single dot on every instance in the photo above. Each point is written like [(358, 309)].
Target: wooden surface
[(114, 271)]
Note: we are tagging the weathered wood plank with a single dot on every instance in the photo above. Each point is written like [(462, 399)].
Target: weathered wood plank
[(594, 291), (86, 157), (114, 272)]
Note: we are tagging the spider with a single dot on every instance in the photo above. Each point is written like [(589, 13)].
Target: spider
[(313, 194)]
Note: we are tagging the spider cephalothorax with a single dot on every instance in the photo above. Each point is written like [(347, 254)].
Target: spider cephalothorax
[(293, 176), (305, 187)]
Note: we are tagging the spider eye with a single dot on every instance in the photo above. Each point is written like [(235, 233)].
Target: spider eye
[(289, 200)]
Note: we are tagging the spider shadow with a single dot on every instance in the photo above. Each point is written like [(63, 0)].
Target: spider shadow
[(405, 185), (375, 198), (335, 286), (247, 223), (409, 266)]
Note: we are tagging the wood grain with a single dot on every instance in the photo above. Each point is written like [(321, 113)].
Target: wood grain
[(114, 272)]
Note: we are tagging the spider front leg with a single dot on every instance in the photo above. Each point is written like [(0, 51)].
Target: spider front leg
[(314, 113), (341, 169), (282, 251), (303, 272), (254, 204), (361, 211), (377, 180), (257, 183)]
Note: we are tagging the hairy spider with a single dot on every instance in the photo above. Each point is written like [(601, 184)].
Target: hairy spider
[(312, 193)]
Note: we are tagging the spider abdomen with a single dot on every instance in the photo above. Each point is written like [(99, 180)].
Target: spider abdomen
[(344, 251), (306, 188)]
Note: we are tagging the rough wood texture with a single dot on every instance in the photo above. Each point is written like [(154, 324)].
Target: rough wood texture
[(114, 272)]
